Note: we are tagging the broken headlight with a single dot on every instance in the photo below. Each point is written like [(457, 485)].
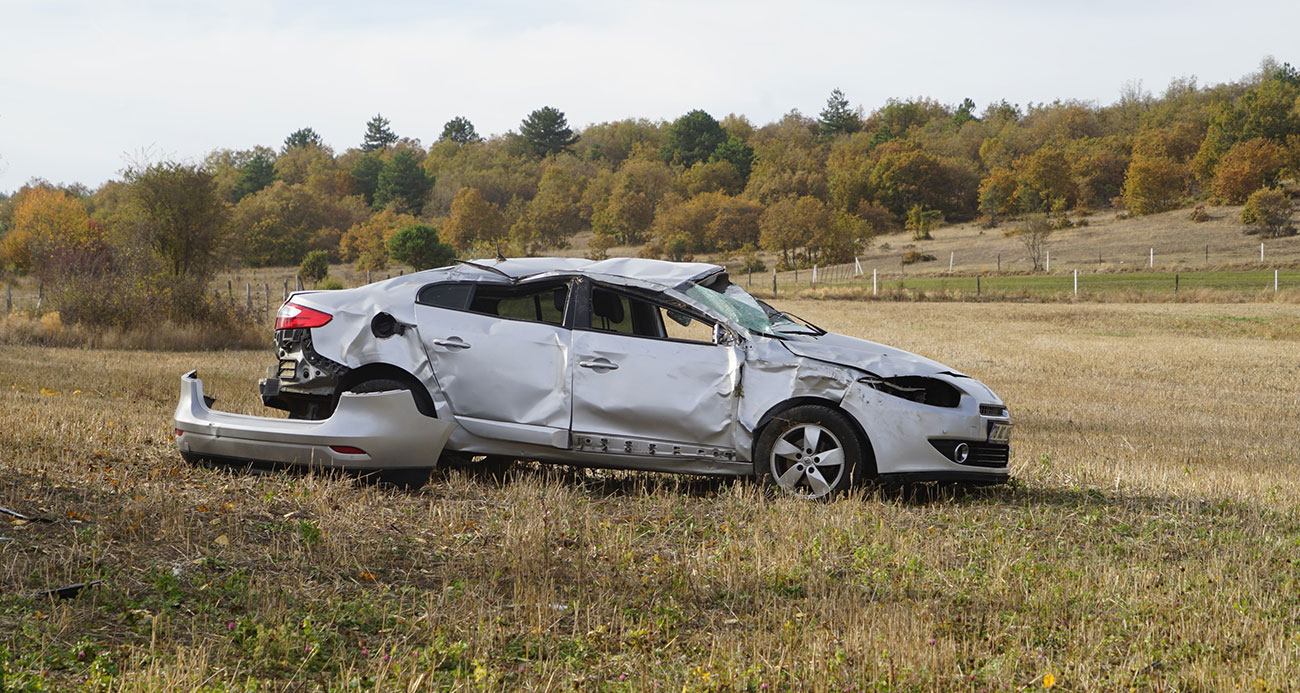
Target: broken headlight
[(917, 388)]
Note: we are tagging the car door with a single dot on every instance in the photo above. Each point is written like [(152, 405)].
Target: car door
[(500, 355), (648, 377)]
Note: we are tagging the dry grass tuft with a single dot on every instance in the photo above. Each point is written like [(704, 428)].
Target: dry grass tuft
[(1148, 541)]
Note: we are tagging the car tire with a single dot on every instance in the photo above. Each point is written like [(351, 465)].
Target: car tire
[(809, 451), (488, 466)]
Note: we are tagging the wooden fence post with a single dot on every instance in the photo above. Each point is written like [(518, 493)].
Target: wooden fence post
[(248, 295), (9, 298)]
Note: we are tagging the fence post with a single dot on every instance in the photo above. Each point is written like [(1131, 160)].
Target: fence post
[(299, 283), (978, 290), (1261, 251), (286, 289), (1076, 282), (813, 282), (230, 289), (999, 262), (774, 281), (1152, 261), (951, 256), (857, 268), (266, 297), (248, 295), (9, 298), (40, 296), (1175, 282), (873, 281), (1274, 281), (1207, 254), (751, 276), (1048, 267)]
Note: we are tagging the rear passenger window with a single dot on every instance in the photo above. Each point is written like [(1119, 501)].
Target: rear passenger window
[(544, 303), (453, 296)]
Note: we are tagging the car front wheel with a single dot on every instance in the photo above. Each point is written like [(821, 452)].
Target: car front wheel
[(810, 452)]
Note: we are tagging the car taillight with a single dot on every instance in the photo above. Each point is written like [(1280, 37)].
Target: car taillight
[(292, 316), (347, 450)]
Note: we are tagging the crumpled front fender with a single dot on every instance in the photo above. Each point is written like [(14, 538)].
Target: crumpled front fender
[(381, 430)]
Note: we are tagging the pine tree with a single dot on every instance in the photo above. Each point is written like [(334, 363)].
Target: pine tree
[(302, 137), (255, 174), (546, 132), (692, 138), (378, 135), (837, 118), (460, 131), (403, 182)]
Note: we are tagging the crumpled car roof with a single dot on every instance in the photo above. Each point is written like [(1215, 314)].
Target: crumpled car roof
[(661, 272)]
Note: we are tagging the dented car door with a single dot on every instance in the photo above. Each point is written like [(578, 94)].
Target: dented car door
[(500, 355), (648, 379)]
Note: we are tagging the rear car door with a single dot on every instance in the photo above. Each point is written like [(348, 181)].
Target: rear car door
[(500, 355), (648, 378)]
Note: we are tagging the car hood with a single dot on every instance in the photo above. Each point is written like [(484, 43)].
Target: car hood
[(884, 361)]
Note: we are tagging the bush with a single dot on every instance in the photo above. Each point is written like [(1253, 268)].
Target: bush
[(329, 284), (315, 266), (1269, 211), (1199, 214), (753, 263), (418, 246), (913, 256)]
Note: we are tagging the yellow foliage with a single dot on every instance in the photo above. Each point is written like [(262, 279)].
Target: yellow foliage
[(48, 218), (367, 242)]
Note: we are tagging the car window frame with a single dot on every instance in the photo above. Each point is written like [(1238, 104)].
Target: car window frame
[(583, 308), (566, 322)]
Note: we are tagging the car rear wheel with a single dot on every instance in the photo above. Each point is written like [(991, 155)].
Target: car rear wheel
[(810, 452)]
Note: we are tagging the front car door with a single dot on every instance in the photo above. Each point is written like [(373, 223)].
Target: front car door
[(500, 355), (648, 378)]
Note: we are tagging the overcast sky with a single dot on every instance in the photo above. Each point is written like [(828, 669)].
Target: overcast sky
[(86, 86)]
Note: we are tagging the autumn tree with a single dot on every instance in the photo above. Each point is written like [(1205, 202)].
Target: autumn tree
[(367, 242), (402, 183), (837, 118), (1153, 184), (179, 216), (279, 225), (474, 222), (921, 220), (460, 131), (628, 211), (1247, 167), (997, 194), (738, 153), (546, 132), (1269, 210), (365, 175), (378, 135), (418, 245), (613, 143), (692, 138), (793, 224), (302, 137), (48, 226), (553, 215), (707, 223), (1045, 181)]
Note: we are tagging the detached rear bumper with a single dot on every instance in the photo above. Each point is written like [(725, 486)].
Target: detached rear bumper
[(385, 427)]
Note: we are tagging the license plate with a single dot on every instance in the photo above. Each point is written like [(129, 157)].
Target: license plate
[(999, 432)]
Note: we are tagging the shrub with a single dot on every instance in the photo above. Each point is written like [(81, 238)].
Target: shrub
[(315, 266), (329, 284), (913, 256), (920, 220), (418, 246), (1269, 211), (1199, 214)]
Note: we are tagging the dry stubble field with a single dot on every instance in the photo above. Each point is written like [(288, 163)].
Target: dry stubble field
[(1150, 538)]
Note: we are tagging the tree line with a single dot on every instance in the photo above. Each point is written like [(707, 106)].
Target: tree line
[(808, 189)]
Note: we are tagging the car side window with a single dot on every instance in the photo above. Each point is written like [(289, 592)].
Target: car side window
[(453, 296), (612, 311), (532, 302)]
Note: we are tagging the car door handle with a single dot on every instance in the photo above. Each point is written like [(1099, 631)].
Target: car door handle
[(599, 365), (452, 343)]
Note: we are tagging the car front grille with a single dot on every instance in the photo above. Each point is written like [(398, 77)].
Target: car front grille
[(988, 455), (992, 410)]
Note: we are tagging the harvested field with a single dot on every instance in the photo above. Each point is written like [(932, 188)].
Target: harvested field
[(1150, 538)]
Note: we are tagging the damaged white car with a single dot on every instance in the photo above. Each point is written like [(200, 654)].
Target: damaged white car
[(620, 363)]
